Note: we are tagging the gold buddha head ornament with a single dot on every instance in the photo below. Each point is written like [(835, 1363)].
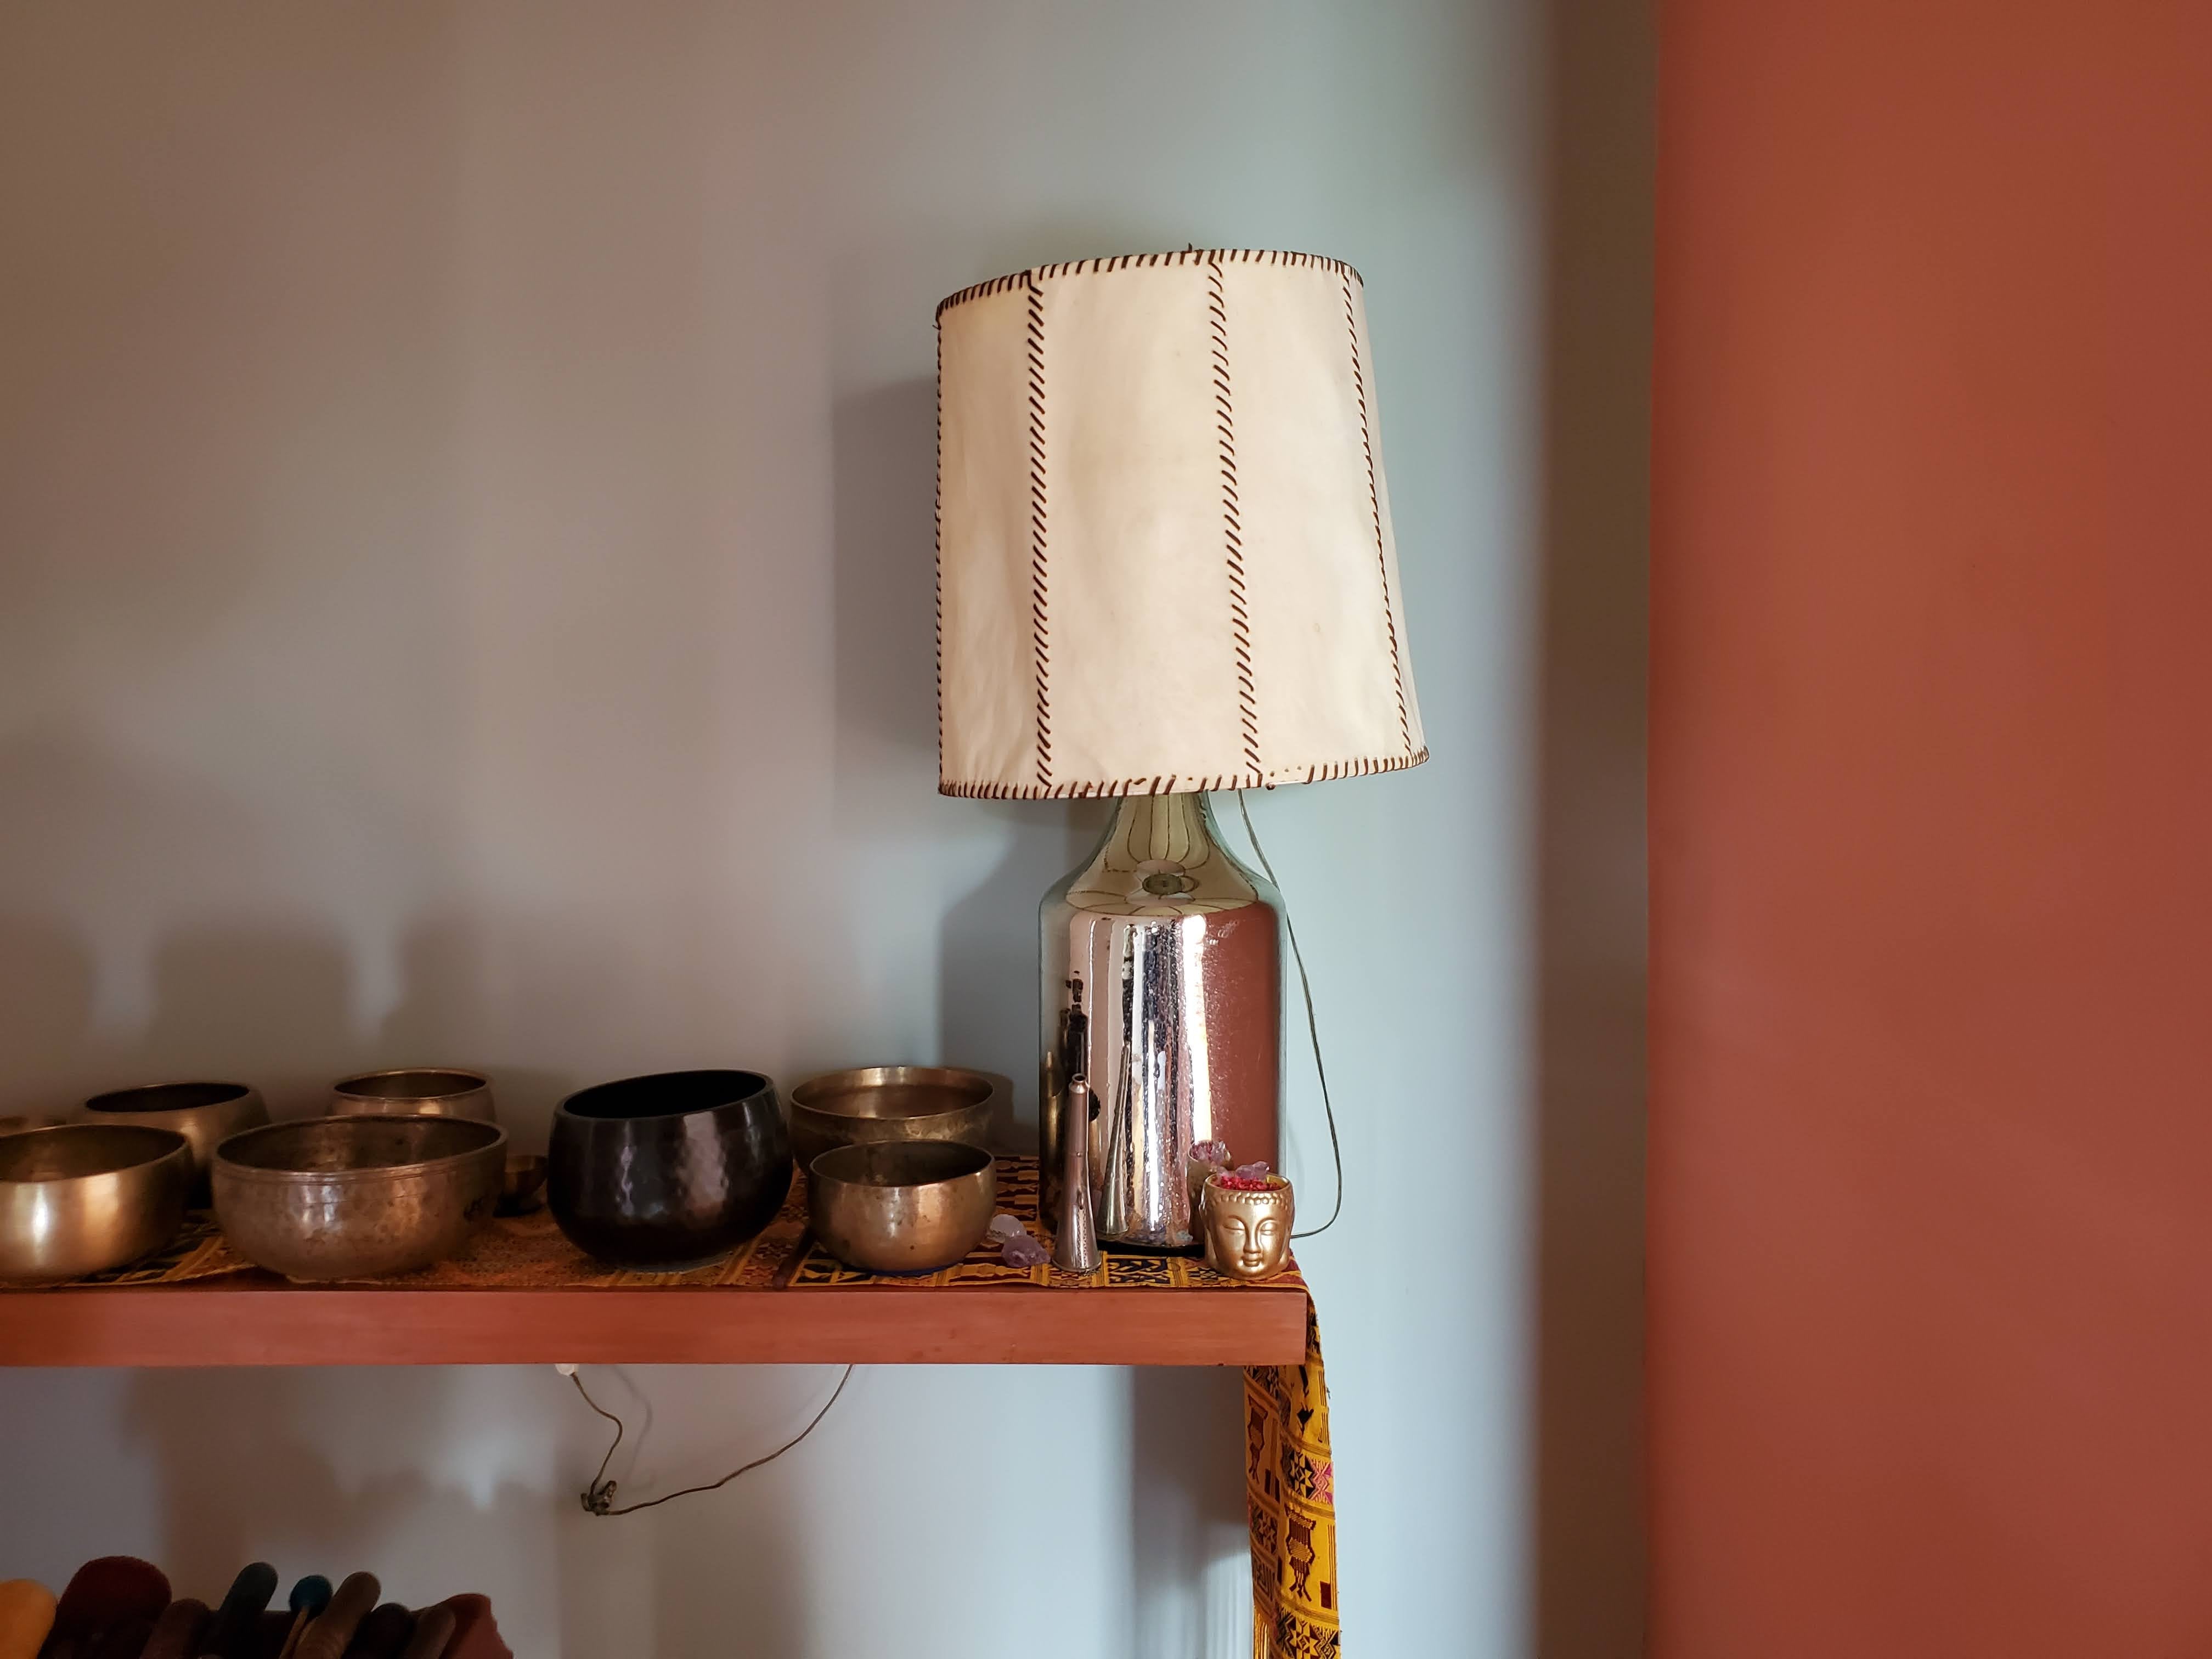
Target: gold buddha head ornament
[(1248, 1224)]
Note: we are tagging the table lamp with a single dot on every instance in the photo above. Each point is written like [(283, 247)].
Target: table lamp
[(1164, 567)]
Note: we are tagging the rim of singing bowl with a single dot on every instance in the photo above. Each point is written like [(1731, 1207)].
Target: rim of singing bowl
[(958, 1160), (195, 1096), (157, 1144), (362, 1087), (604, 1102), (487, 1137)]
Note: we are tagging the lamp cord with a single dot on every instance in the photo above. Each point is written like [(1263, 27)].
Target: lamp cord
[(1313, 1024), (599, 1498)]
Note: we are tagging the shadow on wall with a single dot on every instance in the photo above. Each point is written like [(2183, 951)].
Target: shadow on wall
[(885, 484), (247, 1473), (1588, 1595), (241, 1476), (883, 460), (1190, 1548), (108, 999)]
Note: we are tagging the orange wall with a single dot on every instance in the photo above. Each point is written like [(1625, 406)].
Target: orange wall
[(1931, 1162)]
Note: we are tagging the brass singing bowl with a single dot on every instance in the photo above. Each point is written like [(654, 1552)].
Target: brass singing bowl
[(357, 1197), (81, 1198), (205, 1114), (890, 1103), (522, 1184), (415, 1090), (901, 1206)]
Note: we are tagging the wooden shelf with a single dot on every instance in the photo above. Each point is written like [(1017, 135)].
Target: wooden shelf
[(255, 1320)]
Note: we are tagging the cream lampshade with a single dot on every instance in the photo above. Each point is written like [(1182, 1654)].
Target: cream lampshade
[(1165, 557), (1164, 567)]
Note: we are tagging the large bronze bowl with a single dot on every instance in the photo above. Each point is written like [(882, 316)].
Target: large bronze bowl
[(670, 1170), (357, 1197)]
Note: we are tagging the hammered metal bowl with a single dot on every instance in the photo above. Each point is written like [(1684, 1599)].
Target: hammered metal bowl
[(668, 1171), (205, 1114), (901, 1206), (357, 1197), (81, 1198), (415, 1090), (891, 1103)]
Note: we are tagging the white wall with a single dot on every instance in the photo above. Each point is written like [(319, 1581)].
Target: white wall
[(464, 499)]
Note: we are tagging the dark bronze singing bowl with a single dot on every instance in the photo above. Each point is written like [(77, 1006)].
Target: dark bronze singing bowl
[(670, 1170), (901, 1206), (80, 1198), (357, 1197), (890, 1103)]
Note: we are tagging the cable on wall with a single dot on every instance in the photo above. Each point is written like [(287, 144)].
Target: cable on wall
[(1313, 1024), (599, 1498)]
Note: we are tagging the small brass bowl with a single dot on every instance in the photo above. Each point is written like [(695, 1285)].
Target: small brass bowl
[(81, 1198), (890, 1103), (205, 1114), (522, 1184), (415, 1091), (901, 1206), (357, 1197)]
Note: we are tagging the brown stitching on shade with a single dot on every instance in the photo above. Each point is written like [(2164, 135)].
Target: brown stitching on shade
[(996, 285), (1175, 784), (1240, 617), (1040, 621), (1123, 261), (1375, 510)]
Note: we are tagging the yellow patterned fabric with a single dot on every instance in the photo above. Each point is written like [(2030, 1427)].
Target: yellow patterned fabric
[(1290, 1489)]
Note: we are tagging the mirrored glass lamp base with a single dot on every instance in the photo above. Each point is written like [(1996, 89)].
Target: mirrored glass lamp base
[(1162, 958)]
